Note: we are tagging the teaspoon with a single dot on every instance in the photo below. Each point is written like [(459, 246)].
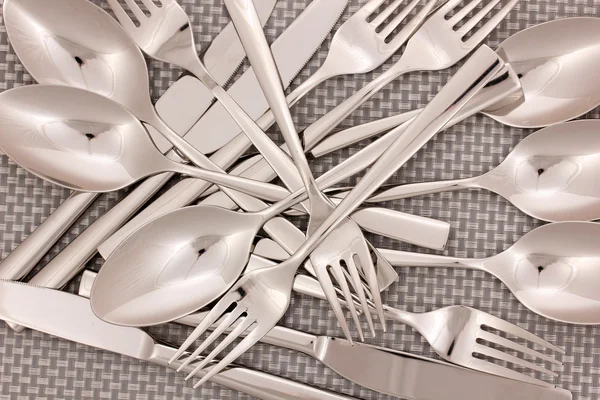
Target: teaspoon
[(84, 141), (553, 270), (551, 175)]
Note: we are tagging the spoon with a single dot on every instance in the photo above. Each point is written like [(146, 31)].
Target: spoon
[(84, 141), (559, 78), (553, 270), (551, 175)]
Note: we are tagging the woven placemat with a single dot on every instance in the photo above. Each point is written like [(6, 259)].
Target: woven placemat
[(34, 365)]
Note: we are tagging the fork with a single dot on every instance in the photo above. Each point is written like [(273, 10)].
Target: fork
[(362, 44), (455, 333), (346, 248), (435, 46), (165, 34), (263, 296)]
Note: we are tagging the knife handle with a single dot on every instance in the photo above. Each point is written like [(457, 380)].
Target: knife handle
[(255, 383), (26, 256)]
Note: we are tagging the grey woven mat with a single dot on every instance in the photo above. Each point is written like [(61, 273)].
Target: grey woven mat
[(33, 365)]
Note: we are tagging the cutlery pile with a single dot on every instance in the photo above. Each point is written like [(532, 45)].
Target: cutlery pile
[(220, 240)]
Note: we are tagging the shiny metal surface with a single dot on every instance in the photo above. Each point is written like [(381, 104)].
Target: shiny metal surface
[(84, 141), (407, 375), (361, 44), (346, 247), (69, 317), (551, 175), (551, 270), (557, 80), (263, 295), (49, 20), (439, 43), (558, 74), (304, 35)]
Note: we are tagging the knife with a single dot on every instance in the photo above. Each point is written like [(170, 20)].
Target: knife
[(70, 317), (386, 370), (223, 57), (73, 258), (304, 36)]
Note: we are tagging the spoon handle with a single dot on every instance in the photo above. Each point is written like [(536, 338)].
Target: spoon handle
[(409, 259), (423, 188)]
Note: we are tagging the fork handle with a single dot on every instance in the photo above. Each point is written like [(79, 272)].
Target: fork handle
[(324, 125)]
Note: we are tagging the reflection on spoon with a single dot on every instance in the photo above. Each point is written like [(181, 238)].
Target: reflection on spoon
[(553, 270), (551, 175)]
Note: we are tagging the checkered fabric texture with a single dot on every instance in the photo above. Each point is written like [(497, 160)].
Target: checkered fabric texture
[(37, 366)]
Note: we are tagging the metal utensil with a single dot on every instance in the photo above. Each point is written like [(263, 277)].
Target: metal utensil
[(551, 270), (437, 24), (556, 65), (550, 175), (361, 44), (263, 296), (186, 192), (70, 260), (346, 249), (81, 140), (341, 357), (51, 39), (70, 317)]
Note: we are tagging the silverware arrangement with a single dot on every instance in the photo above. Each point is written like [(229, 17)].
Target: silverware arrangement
[(90, 126)]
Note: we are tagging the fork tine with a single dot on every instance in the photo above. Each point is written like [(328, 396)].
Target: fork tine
[(121, 14), (385, 13), (341, 279), (490, 337), (463, 12), (504, 326), (332, 298), (485, 30), (136, 10), (470, 24), (236, 333), (495, 369), (360, 291), (240, 349), (210, 319), (366, 264), (500, 355), (150, 5), (223, 326), (449, 6), (398, 19), (410, 28), (371, 6)]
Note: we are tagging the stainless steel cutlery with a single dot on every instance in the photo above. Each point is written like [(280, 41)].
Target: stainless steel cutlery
[(90, 125)]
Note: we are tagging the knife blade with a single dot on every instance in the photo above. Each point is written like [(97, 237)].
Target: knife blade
[(70, 317), (222, 58), (304, 36)]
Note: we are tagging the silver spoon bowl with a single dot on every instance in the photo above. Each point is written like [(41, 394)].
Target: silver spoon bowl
[(557, 62)]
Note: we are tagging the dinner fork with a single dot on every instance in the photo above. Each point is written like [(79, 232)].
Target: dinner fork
[(365, 41), (263, 296), (165, 34), (438, 44)]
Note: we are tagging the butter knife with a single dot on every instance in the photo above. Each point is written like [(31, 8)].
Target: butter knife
[(222, 58), (70, 317)]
